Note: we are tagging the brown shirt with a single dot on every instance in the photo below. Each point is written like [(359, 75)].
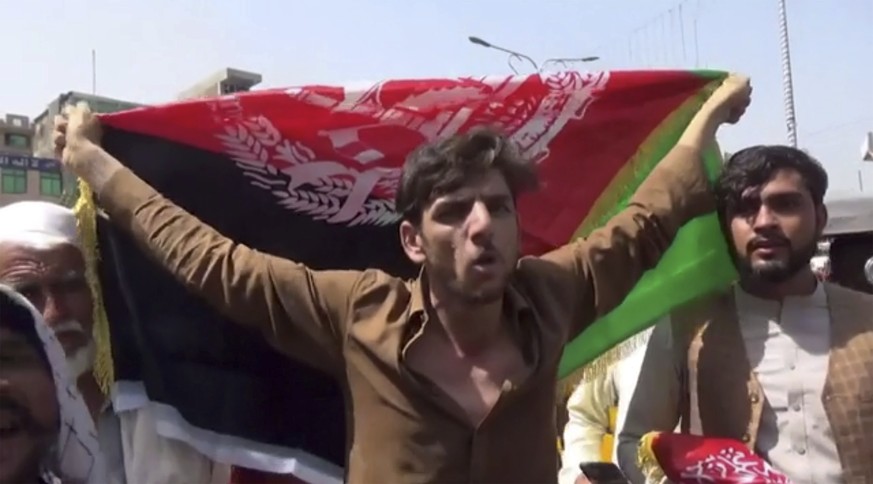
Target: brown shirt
[(362, 324)]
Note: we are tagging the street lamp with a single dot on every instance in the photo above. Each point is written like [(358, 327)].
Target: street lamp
[(512, 54), (563, 61)]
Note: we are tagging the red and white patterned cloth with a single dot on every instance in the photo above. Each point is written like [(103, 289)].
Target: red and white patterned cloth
[(690, 459)]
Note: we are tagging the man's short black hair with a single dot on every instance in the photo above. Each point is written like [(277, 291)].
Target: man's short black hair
[(756, 165), (445, 165), (17, 318)]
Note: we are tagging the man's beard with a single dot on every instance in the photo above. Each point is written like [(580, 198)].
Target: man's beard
[(82, 360), (447, 280), (482, 297), (778, 271)]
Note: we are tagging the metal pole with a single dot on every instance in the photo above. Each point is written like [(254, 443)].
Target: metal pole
[(787, 83), (94, 71), (512, 54)]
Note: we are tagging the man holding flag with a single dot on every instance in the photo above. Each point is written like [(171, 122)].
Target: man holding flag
[(450, 377)]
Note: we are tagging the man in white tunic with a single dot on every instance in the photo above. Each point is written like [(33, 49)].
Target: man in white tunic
[(782, 362), (596, 411)]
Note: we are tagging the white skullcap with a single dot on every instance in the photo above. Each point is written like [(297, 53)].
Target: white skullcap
[(38, 224)]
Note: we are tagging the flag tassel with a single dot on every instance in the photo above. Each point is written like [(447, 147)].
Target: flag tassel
[(86, 222), (646, 459)]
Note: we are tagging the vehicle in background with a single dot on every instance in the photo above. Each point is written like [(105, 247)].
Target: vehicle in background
[(849, 240)]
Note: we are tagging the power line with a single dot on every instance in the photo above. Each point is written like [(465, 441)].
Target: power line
[(644, 44), (696, 44), (682, 33), (827, 129)]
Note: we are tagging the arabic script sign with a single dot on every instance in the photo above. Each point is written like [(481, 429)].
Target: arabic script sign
[(24, 162)]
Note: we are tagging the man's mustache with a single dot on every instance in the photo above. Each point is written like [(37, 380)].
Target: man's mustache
[(773, 240), (70, 326)]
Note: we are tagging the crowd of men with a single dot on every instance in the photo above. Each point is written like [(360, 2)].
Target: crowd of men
[(451, 377)]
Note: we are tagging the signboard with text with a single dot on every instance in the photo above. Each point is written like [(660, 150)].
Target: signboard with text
[(24, 162)]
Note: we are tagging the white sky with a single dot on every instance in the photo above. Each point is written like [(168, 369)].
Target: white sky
[(148, 51)]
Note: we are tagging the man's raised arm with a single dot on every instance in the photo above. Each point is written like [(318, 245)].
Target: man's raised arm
[(608, 264), (279, 297)]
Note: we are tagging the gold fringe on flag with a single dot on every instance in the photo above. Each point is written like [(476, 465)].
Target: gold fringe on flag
[(646, 459), (86, 222), (599, 366)]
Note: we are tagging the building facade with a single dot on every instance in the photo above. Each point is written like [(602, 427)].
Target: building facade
[(22, 176), (225, 81), (43, 125), (27, 167)]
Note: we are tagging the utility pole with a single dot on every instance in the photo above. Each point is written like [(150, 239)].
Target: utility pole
[(787, 82), (94, 71)]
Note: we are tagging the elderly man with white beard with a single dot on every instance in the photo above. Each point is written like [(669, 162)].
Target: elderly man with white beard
[(40, 258)]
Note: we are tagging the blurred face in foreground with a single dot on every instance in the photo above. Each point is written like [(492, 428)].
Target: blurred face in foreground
[(28, 408)]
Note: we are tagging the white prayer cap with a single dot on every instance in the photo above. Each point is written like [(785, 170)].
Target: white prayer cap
[(38, 224)]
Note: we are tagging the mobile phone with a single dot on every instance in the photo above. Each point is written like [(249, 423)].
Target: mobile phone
[(603, 473)]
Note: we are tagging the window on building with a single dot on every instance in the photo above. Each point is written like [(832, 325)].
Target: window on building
[(13, 181), (231, 88), (50, 184), (15, 140)]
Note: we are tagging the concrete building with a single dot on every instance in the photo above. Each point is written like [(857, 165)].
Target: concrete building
[(225, 81), (26, 149), (16, 134), (44, 122), (22, 176), (43, 125)]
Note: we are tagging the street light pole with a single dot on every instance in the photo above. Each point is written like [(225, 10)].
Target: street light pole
[(518, 55), (512, 54), (787, 82), (563, 61)]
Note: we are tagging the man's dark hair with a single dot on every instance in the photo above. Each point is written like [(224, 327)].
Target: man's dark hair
[(756, 165), (17, 318), (442, 167)]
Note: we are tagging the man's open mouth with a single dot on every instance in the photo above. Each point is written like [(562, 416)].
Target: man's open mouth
[(486, 264), (485, 259), (769, 245)]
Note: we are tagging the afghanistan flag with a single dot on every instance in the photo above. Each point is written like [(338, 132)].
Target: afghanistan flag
[(309, 173), (692, 459)]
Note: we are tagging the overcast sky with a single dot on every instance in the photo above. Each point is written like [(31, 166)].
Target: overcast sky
[(148, 51)]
